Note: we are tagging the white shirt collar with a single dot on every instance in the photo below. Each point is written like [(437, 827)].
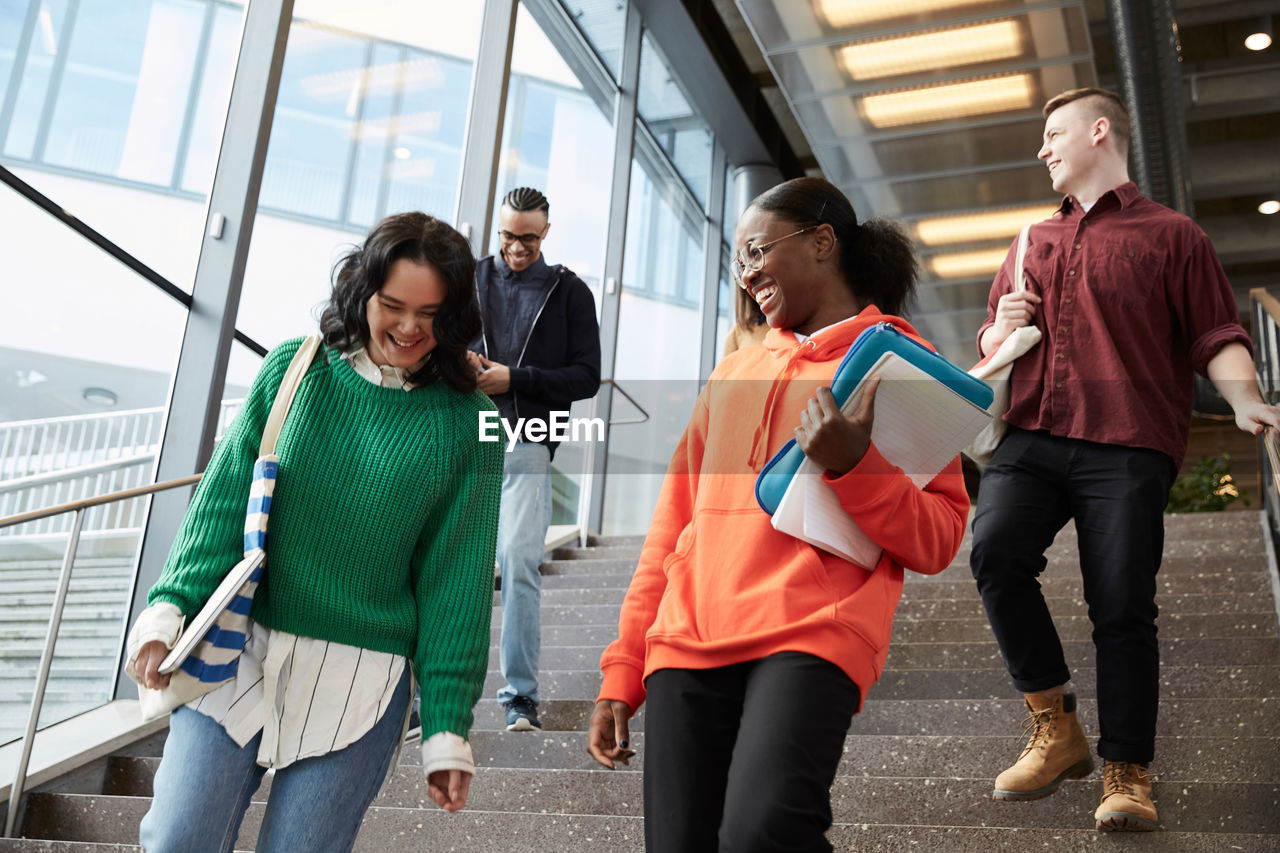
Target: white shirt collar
[(384, 375)]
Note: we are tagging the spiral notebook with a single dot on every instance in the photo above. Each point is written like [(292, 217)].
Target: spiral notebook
[(920, 426)]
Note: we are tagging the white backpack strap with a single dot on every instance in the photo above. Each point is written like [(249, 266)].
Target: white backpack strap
[(1019, 274), (284, 395)]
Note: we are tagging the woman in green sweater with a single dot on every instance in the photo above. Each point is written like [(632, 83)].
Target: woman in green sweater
[(380, 565)]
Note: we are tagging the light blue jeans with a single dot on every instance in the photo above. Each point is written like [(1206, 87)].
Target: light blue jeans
[(204, 783), (522, 536)]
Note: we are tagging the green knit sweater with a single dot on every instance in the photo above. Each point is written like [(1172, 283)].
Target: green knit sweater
[(382, 526)]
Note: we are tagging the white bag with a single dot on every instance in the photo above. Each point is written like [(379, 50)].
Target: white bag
[(996, 369)]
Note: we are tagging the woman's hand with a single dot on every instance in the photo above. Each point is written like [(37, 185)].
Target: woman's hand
[(150, 656), (607, 736), (832, 440), (448, 789)]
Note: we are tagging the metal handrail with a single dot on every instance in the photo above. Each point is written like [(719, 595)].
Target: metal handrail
[(1266, 334), (644, 415), (49, 477), (55, 617)]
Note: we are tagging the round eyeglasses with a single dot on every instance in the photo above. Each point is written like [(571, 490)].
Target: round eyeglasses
[(754, 260)]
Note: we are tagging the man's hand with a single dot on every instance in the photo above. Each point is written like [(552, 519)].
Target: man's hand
[(1013, 311), (493, 378), (607, 737), (147, 666), (448, 789), (830, 439), (1254, 417)]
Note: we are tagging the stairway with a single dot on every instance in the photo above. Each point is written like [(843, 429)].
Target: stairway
[(919, 761), (83, 673)]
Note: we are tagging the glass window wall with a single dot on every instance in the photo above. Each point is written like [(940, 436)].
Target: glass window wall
[(370, 122), (658, 343), (110, 107)]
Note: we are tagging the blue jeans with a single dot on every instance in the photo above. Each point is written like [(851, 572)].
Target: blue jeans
[(204, 783), (522, 536)]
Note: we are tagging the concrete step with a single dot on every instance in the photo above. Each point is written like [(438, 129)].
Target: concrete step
[(1258, 645), (589, 566), (1179, 759), (914, 607), (392, 829), (976, 629), (598, 552), (1254, 717), (859, 790), (1224, 579), (1173, 652), (554, 795)]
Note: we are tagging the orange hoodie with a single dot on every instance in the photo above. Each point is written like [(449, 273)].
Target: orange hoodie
[(717, 585)]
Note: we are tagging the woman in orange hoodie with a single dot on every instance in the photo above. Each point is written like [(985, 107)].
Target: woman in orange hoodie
[(754, 648)]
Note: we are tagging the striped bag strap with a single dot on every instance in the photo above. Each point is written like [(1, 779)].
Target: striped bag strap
[(284, 396)]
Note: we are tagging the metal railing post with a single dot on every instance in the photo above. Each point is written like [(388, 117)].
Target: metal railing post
[(42, 679)]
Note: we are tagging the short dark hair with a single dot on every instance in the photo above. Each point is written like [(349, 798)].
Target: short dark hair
[(1108, 104), (363, 271), (522, 199), (877, 259)]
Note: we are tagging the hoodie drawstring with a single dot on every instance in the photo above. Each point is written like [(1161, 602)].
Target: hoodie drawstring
[(760, 441)]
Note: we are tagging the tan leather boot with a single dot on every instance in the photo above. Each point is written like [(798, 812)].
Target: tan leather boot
[(1126, 799), (1056, 750)]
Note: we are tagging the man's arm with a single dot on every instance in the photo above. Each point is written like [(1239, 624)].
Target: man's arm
[(1231, 372)]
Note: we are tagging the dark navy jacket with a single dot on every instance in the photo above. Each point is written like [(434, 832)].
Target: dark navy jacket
[(559, 357)]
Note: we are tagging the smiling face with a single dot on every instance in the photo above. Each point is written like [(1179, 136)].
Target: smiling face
[(1070, 147), (515, 252), (787, 286), (400, 315)]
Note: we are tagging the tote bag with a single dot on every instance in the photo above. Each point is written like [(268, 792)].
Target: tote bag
[(996, 369), (206, 655)]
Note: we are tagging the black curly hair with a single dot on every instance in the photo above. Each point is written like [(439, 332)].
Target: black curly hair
[(361, 273)]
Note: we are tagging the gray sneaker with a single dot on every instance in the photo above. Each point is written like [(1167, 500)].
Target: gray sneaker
[(522, 715)]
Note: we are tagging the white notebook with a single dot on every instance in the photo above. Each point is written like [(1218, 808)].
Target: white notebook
[(203, 621), (920, 425)]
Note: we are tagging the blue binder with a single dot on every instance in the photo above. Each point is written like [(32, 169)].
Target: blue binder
[(865, 351)]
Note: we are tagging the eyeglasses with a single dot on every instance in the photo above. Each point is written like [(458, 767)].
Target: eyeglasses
[(529, 240), (754, 260)]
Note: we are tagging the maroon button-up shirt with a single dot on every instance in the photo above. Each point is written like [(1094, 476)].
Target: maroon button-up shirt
[(1134, 301)]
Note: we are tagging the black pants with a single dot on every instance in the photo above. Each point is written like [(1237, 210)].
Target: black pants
[(1033, 486), (741, 759)]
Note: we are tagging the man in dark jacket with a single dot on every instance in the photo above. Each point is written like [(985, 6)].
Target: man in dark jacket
[(539, 350)]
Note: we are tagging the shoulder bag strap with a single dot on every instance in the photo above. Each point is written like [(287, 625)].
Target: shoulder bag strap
[(1019, 274), (284, 396)]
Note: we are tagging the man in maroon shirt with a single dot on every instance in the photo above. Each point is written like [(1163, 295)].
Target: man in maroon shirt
[(1130, 299)]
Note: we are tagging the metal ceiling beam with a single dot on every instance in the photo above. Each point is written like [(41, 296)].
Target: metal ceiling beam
[(698, 47)]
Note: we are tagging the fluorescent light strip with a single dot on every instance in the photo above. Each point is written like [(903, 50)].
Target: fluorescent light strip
[(854, 13), (949, 101), (979, 227), (947, 48), (981, 262)]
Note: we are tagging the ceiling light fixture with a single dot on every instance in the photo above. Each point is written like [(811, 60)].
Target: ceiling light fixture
[(982, 262), (950, 101), (947, 48), (979, 226), (1269, 207), (99, 397), (854, 13), (1259, 33)]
